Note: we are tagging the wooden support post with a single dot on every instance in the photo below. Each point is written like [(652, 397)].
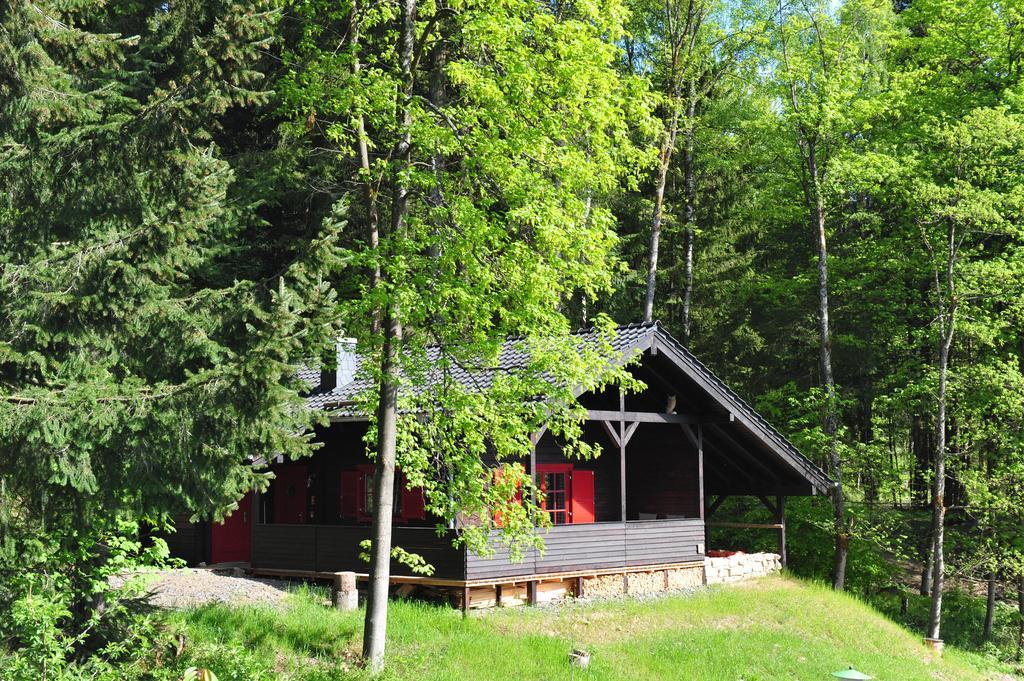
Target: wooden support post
[(465, 601), (700, 468), (343, 591), (578, 588), (622, 452), (497, 595), (255, 515), (533, 464), (780, 518), (531, 593)]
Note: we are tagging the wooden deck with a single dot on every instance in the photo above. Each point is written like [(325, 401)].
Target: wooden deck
[(570, 550)]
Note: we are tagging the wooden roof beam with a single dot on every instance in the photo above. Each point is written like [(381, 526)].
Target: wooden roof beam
[(655, 417)]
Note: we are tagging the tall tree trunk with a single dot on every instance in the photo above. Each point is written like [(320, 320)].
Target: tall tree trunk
[(945, 297), (375, 628), (665, 160), (369, 193), (939, 483), (689, 211), (831, 424), (867, 437), (990, 607)]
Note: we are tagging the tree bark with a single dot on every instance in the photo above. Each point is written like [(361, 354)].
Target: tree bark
[(369, 193), (375, 628), (1020, 619), (938, 496), (990, 607), (665, 160), (690, 207), (831, 424), (945, 293)]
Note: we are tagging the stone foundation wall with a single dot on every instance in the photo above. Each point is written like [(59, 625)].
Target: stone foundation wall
[(741, 566)]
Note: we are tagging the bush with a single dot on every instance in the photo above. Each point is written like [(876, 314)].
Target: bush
[(70, 615)]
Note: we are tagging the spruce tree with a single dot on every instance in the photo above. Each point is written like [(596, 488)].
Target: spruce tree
[(151, 318)]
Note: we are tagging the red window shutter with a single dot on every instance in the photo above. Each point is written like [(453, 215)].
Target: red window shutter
[(413, 505), (582, 497), (499, 473), (350, 493)]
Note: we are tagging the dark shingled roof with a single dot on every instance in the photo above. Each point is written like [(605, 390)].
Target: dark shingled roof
[(628, 341), (512, 357)]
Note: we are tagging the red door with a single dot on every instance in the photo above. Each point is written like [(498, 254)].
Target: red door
[(290, 495), (231, 539), (582, 497)]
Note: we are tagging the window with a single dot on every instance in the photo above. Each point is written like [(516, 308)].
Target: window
[(555, 489), (357, 496)]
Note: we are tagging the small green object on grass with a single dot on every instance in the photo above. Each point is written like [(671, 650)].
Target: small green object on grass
[(851, 673)]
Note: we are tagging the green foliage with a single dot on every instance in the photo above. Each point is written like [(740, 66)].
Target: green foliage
[(517, 130), (47, 634), (148, 336)]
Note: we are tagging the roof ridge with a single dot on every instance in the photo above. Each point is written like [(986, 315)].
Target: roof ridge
[(621, 327)]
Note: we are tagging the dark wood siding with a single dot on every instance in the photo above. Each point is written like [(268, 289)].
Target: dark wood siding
[(599, 546), (649, 542), (284, 547), (334, 548), (574, 547), (189, 541), (661, 473), (499, 564)]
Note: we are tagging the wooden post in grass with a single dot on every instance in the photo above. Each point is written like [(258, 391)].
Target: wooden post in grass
[(343, 591)]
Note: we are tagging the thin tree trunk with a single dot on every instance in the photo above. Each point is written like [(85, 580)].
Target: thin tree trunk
[(990, 607), (375, 628), (939, 492), (369, 194), (945, 293), (689, 211), (817, 219), (1020, 618), (665, 160)]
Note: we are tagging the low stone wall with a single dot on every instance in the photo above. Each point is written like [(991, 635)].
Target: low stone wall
[(740, 566)]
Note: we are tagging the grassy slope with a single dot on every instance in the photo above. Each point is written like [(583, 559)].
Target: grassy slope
[(776, 628)]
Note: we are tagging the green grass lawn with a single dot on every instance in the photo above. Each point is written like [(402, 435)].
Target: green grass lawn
[(774, 628)]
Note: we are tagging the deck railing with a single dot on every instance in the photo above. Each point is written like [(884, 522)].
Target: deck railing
[(567, 548), (599, 546), (332, 548)]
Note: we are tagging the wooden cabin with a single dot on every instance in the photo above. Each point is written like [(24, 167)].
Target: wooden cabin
[(670, 456)]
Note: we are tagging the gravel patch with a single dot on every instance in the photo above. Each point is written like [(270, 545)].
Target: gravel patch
[(190, 587)]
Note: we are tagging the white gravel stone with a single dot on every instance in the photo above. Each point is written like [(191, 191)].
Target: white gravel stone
[(193, 587)]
